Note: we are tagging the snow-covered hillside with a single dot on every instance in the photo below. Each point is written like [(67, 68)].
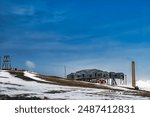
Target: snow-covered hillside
[(14, 86)]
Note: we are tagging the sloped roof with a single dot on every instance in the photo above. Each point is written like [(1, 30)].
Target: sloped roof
[(88, 71)]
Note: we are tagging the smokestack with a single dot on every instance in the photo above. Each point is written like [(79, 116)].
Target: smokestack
[(133, 74)]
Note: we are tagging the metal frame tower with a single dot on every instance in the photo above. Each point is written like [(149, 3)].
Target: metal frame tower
[(6, 65)]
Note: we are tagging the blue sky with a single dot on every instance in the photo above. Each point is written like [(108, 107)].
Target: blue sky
[(102, 34)]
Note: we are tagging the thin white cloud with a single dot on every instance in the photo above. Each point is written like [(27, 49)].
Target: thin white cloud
[(30, 64), (23, 10), (54, 17)]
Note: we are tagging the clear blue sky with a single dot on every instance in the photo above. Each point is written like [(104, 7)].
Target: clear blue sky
[(102, 34)]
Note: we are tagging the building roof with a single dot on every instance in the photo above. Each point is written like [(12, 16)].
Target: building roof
[(89, 71)]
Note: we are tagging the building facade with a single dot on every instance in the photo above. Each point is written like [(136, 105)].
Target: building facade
[(95, 75)]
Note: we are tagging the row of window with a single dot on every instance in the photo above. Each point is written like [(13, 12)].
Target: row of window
[(117, 75)]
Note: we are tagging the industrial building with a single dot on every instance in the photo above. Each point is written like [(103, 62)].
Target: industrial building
[(98, 76)]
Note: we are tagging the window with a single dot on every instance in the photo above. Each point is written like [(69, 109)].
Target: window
[(95, 74), (72, 76), (100, 75)]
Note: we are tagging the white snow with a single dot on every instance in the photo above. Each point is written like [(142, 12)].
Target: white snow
[(143, 84), (118, 87), (33, 76), (11, 86)]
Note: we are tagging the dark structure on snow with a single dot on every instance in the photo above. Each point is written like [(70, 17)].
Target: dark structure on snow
[(95, 75), (6, 63)]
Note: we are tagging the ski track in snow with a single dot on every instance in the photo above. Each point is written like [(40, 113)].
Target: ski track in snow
[(11, 86)]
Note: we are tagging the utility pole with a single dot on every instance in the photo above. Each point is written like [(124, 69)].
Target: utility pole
[(65, 72), (125, 80), (0, 62), (133, 74)]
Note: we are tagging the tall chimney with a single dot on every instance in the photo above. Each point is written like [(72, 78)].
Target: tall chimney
[(133, 74)]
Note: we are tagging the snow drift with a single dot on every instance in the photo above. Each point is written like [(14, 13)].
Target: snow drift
[(144, 84)]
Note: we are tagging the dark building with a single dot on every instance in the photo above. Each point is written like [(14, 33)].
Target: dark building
[(95, 75)]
